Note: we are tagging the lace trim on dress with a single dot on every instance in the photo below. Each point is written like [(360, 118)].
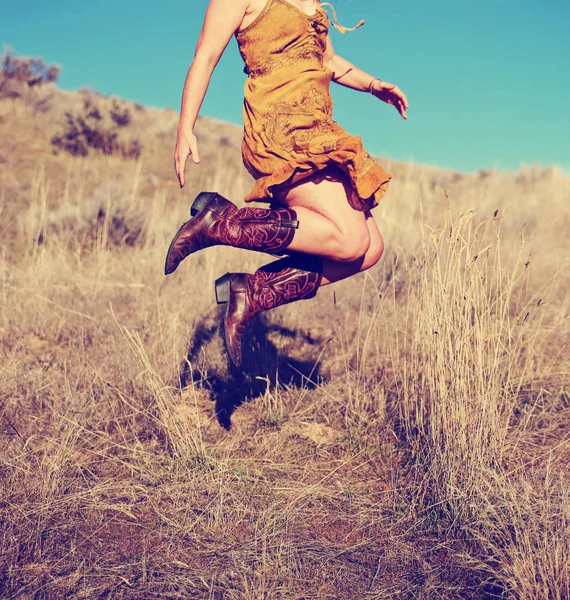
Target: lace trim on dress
[(282, 121), (279, 62)]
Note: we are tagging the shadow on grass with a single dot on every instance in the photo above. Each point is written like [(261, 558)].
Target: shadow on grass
[(263, 364)]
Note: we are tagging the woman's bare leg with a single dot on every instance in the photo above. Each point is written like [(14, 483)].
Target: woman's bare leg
[(335, 271), (328, 226), (348, 240)]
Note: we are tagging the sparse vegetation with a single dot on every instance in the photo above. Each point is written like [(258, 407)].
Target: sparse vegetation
[(403, 436), (24, 71), (92, 132), (23, 77)]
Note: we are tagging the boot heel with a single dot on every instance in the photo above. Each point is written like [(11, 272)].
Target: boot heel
[(223, 289), (200, 202)]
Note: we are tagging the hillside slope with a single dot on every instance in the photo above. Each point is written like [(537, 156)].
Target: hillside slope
[(404, 435)]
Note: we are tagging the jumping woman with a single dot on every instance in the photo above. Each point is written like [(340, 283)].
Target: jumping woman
[(319, 181)]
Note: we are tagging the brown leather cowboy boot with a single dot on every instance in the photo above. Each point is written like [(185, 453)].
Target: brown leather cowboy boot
[(217, 221), (284, 281)]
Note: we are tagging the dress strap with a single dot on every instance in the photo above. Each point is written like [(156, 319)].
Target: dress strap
[(336, 24)]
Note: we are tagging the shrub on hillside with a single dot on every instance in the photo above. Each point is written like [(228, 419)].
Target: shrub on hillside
[(22, 77), (121, 117), (94, 131), (19, 72)]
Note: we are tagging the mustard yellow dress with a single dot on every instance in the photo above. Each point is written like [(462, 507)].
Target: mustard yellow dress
[(289, 132)]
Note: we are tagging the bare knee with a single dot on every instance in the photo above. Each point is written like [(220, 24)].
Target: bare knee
[(352, 245)]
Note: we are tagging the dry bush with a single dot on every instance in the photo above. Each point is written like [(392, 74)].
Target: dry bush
[(97, 133), (25, 78), (402, 436), (24, 71)]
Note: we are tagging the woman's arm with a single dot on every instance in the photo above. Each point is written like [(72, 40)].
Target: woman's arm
[(345, 73), (223, 18)]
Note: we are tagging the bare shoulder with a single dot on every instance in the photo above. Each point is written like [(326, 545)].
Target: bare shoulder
[(223, 18), (252, 9), (226, 10)]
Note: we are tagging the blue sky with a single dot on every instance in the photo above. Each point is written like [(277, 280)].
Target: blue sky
[(488, 81)]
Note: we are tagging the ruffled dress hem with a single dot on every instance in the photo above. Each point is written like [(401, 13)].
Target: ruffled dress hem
[(367, 178)]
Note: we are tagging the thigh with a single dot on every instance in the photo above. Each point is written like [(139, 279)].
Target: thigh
[(325, 193)]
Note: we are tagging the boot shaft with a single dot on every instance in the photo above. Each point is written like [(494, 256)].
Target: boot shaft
[(261, 229), (271, 288), (281, 282), (216, 221), (253, 228), (284, 281)]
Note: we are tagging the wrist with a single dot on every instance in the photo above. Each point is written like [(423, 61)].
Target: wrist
[(372, 86), (185, 127)]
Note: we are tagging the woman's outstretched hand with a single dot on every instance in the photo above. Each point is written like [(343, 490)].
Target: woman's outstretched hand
[(391, 94), (186, 145)]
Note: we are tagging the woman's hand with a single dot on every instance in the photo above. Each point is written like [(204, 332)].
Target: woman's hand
[(186, 145), (391, 94)]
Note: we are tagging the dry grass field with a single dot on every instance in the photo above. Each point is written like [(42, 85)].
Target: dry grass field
[(403, 436)]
